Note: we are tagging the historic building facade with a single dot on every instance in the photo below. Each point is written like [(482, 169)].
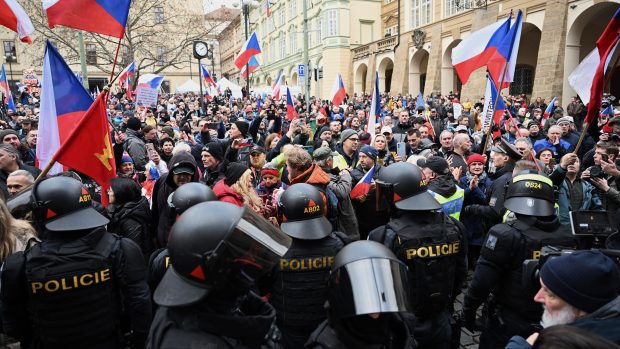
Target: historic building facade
[(556, 36)]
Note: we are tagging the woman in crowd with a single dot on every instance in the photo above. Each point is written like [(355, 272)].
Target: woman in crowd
[(129, 212), (545, 155), (237, 187), (385, 157), (14, 233)]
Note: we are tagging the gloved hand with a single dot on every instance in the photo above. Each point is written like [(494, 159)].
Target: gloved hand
[(469, 319), (469, 210)]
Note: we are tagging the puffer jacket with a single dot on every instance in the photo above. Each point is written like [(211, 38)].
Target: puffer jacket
[(131, 220), (226, 193)]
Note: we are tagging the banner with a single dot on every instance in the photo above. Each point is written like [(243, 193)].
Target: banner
[(147, 97)]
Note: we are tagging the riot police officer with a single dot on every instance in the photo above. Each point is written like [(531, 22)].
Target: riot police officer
[(78, 286), (511, 309), (431, 243), (366, 299), (180, 200), (298, 284), (217, 252)]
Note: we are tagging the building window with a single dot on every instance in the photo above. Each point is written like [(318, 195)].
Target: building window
[(282, 41), (421, 13), (387, 1), (91, 54), (293, 40), (453, 7), (293, 8), (9, 51), (391, 30), (319, 31), (332, 22), (161, 56), (159, 15), (281, 17), (272, 26), (523, 80)]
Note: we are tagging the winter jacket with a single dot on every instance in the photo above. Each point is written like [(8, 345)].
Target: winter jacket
[(131, 220), (226, 193), (591, 199), (347, 221), (474, 224), (135, 146)]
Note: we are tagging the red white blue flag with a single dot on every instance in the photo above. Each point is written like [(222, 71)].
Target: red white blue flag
[(209, 81), (13, 16), (506, 53), (6, 91), (291, 113), (549, 109), (125, 78), (253, 65), (250, 48), (491, 116), (363, 186), (338, 92), (64, 101), (276, 87), (267, 8), (108, 17), (151, 81), (375, 108), (476, 49)]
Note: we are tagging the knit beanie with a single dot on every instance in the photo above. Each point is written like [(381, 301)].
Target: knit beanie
[(270, 169), (215, 149), (243, 127), (587, 279), (370, 151), (126, 158), (346, 134), (234, 171), (7, 132), (134, 124), (475, 158)]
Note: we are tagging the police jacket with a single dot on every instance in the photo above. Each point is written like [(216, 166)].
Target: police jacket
[(434, 248), (495, 197), (84, 292), (298, 287), (199, 325), (500, 266), (389, 332)]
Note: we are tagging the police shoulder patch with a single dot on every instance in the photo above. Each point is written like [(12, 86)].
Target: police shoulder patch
[(492, 201), (491, 242)]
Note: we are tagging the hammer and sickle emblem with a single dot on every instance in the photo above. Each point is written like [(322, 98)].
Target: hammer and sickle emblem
[(106, 154)]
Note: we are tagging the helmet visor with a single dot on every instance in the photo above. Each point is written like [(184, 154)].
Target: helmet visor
[(368, 286), (252, 249)]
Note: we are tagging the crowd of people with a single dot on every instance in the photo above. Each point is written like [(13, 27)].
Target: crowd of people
[(237, 223)]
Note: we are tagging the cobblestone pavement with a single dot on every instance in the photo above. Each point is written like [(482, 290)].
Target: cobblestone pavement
[(469, 340)]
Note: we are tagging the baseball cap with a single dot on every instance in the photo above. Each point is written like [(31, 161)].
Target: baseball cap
[(437, 164), (386, 129)]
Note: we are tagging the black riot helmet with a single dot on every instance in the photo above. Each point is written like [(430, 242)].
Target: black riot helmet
[(404, 184), (63, 204), (218, 245), (301, 209), (190, 194), (367, 278), (530, 194)]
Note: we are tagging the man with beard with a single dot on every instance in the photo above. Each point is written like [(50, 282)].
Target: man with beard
[(349, 143), (578, 289)]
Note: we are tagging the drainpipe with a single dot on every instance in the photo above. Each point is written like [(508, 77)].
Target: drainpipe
[(397, 29)]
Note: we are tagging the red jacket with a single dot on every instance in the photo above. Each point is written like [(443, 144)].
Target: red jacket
[(227, 194)]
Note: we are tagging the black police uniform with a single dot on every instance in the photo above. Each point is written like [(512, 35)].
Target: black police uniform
[(371, 267), (81, 287), (204, 299), (298, 284), (431, 244), (499, 272)]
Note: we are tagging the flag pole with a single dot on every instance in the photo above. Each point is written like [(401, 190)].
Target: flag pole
[(499, 95)]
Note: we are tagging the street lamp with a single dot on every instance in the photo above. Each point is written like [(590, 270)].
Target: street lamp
[(247, 6)]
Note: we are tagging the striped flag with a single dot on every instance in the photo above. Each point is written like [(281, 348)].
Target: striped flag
[(375, 109), (363, 186)]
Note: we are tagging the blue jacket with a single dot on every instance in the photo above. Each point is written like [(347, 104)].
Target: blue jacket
[(473, 223), (545, 143), (591, 199)]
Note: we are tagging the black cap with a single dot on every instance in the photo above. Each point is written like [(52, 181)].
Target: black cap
[(506, 148), (302, 212), (257, 149), (184, 169), (437, 164)]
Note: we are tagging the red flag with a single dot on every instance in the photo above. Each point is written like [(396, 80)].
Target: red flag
[(88, 149)]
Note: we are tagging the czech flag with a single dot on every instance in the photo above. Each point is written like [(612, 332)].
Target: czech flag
[(151, 81), (125, 77), (506, 53), (276, 87), (476, 49), (363, 186), (338, 92), (4, 88), (13, 16), (490, 116), (252, 64), (250, 48), (208, 78), (64, 101), (375, 109), (607, 45), (107, 17), (549, 109), (291, 113)]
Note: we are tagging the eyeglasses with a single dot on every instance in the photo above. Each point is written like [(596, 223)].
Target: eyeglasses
[(354, 139)]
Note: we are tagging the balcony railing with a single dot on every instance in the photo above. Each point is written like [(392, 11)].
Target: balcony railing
[(386, 44), (361, 52)]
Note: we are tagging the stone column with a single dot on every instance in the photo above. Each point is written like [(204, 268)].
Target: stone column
[(433, 70)]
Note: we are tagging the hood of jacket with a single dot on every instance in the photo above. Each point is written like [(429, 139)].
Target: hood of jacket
[(313, 175), (181, 159), (222, 190), (443, 185), (138, 210)]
